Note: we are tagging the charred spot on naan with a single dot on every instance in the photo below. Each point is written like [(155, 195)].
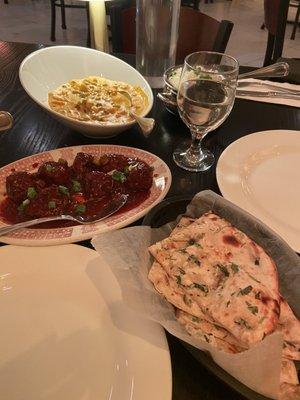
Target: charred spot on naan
[(231, 240)]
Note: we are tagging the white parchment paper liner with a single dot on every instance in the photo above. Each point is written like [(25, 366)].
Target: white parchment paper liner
[(126, 253)]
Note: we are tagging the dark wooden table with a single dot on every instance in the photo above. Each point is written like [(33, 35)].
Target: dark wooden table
[(35, 131)]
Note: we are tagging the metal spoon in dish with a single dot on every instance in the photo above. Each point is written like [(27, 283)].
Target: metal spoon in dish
[(105, 212), (146, 124), (271, 71)]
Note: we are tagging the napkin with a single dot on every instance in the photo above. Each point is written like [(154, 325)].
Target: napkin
[(287, 102)]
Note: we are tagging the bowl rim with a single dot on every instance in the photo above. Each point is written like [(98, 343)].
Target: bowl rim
[(84, 123), (166, 77)]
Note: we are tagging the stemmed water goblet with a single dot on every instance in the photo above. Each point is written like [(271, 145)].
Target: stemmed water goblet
[(205, 98)]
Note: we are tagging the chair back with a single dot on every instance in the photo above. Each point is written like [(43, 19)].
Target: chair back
[(197, 31), (191, 3), (275, 13), (200, 32), (122, 26)]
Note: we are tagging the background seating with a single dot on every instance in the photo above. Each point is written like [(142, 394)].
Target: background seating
[(275, 22), (295, 3), (62, 5), (197, 31)]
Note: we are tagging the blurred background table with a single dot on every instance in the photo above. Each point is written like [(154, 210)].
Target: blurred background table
[(35, 131)]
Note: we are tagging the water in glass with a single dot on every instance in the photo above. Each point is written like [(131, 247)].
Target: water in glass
[(205, 98)]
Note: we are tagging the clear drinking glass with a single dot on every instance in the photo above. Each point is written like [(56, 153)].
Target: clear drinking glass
[(156, 38), (205, 98)]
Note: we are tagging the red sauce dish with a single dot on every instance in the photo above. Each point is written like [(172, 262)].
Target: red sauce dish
[(81, 188)]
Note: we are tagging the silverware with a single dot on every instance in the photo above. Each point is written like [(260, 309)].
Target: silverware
[(106, 211), (262, 84), (146, 124), (167, 98), (6, 120), (278, 94), (271, 71)]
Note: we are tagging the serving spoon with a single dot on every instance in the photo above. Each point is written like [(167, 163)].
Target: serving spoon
[(106, 211), (146, 124), (276, 70)]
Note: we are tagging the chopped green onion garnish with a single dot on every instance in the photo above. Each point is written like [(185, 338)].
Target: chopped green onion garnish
[(31, 192), (245, 291), (23, 205), (49, 168), (80, 208), (76, 186), (52, 204), (235, 268), (223, 269), (242, 323), (194, 259), (63, 190), (251, 308), (119, 176)]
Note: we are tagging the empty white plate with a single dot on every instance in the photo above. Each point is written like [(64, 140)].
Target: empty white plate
[(261, 174), (65, 333)]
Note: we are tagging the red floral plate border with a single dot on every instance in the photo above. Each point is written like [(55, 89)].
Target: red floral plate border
[(47, 237)]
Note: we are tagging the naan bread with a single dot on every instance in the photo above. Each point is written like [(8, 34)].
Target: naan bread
[(289, 392), (228, 293), (217, 277), (210, 332), (289, 325), (222, 242), (289, 382), (173, 292), (183, 223), (288, 373), (189, 314)]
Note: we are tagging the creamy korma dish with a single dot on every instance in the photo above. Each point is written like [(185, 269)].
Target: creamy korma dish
[(98, 100)]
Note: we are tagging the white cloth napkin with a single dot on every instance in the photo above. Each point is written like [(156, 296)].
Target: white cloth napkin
[(288, 102)]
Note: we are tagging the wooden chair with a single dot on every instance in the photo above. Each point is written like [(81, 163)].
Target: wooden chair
[(200, 32), (197, 31), (191, 3), (296, 22), (122, 17), (62, 5), (275, 12)]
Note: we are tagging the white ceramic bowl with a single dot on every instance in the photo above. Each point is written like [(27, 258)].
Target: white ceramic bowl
[(46, 69)]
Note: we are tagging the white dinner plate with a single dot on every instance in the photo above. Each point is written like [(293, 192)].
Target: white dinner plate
[(261, 174), (66, 335), (45, 237)]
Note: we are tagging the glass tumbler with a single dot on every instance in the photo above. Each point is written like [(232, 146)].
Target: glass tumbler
[(156, 38)]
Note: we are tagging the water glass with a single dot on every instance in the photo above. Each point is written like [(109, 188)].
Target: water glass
[(156, 38), (205, 98)]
